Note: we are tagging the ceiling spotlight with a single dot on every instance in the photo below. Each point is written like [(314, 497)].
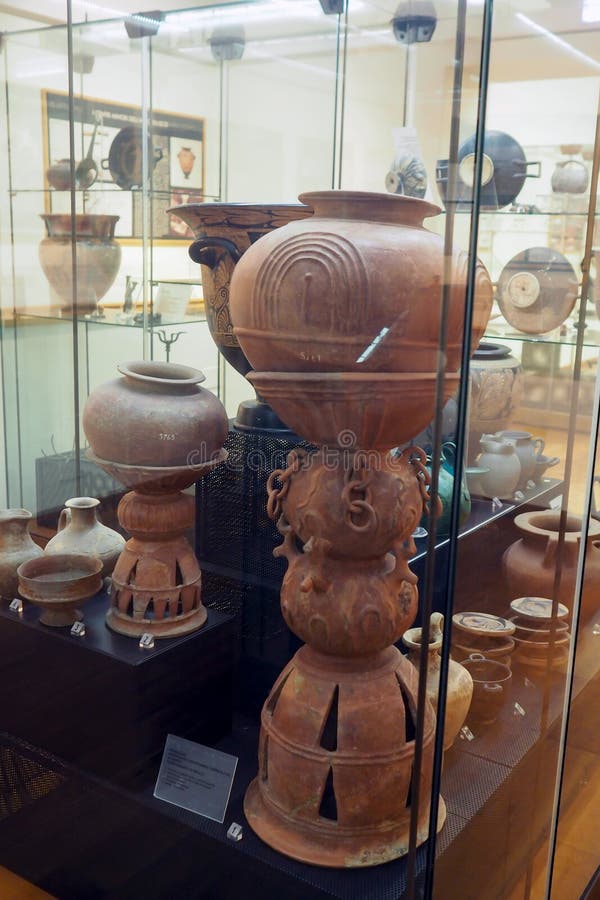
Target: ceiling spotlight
[(143, 24), (414, 22), (228, 42)]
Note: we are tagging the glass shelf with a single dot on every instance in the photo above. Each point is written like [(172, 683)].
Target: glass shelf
[(502, 330), (115, 317)]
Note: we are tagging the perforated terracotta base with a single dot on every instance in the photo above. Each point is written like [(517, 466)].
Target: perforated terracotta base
[(331, 847), (160, 629), (336, 757)]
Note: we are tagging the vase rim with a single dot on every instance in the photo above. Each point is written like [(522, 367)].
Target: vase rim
[(82, 503), (491, 350), (15, 514), (397, 204), (81, 226), (546, 522), (412, 638), (156, 372)]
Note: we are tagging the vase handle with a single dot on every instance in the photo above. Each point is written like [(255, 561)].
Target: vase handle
[(203, 251), (64, 519)]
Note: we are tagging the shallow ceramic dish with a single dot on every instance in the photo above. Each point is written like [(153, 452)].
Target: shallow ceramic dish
[(125, 157)]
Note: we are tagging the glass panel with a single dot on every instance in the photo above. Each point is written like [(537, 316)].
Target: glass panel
[(515, 601)]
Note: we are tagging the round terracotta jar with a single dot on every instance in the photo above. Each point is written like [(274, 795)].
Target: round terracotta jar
[(155, 415), (355, 288), (529, 564)]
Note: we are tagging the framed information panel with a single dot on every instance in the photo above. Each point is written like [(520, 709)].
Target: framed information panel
[(108, 138)]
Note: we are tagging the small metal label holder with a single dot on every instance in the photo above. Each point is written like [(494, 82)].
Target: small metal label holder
[(147, 641)]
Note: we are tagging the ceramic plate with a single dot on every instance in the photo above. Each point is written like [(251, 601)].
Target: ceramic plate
[(537, 290), (537, 608), (483, 623)]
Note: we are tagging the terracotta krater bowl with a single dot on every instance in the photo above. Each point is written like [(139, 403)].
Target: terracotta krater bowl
[(58, 584)]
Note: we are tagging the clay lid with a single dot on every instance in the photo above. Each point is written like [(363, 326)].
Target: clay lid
[(483, 623), (536, 608)]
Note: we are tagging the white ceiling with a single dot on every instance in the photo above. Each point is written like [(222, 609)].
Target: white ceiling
[(512, 18)]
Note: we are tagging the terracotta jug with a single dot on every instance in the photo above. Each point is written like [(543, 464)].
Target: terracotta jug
[(500, 457), (460, 684), (529, 565), (79, 531), (16, 547)]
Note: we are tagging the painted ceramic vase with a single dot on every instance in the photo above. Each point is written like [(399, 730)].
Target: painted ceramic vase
[(381, 272), (16, 547), (156, 414), (98, 258), (499, 457), (80, 532), (186, 158), (460, 684), (530, 563), (496, 391), (223, 233)]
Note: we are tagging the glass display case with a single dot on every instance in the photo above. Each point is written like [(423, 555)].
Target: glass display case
[(150, 227)]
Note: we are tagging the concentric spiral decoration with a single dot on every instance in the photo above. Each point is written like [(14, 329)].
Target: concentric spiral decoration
[(334, 282)]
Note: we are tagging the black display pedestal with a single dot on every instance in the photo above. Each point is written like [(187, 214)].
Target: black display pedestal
[(103, 703), (235, 540)]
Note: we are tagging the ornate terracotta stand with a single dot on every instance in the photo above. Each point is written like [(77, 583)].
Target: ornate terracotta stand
[(337, 740), (156, 583), (339, 314)]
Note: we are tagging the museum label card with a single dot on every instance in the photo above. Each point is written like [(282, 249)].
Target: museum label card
[(195, 777)]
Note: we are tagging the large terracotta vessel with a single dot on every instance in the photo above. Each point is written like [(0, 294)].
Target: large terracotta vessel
[(341, 315), (354, 289), (157, 431), (98, 258), (223, 233), (16, 547), (530, 564)]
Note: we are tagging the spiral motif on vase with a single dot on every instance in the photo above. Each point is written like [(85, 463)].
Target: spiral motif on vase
[(318, 280)]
